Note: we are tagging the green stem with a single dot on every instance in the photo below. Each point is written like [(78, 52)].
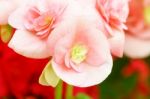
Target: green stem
[(69, 92), (58, 90)]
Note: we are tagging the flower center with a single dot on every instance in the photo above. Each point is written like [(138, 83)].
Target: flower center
[(48, 20), (39, 23), (147, 14), (78, 53)]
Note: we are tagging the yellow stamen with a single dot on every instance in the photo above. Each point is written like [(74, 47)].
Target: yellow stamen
[(78, 53), (48, 19)]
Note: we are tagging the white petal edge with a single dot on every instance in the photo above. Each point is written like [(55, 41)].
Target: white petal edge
[(17, 17), (6, 7), (136, 48), (29, 45), (117, 43), (85, 79)]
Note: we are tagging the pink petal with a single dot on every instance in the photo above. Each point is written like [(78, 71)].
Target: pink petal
[(58, 33), (56, 6), (91, 76), (87, 2), (117, 43), (42, 5), (63, 47), (98, 45), (16, 19), (6, 8), (136, 48), (27, 44)]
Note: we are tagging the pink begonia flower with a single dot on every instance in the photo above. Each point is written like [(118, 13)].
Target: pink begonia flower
[(81, 58), (34, 22), (137, 43), (81, 55), (6, 8), (114, 13)]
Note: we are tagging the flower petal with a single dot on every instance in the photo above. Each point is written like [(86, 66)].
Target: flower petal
[(56, 6), (58, 33), (6, 7), (99, 48), (136, 48), (92, 76), (117, 43), (87, 2), (27, 44), (16, 18)]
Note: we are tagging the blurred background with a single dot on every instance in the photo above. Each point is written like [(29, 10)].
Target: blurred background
[(130, 77)]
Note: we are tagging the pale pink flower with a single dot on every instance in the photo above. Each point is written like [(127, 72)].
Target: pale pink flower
[(6, 8), (81, 54), (34, 22), (114, 13), (137, 43), (81, 57)]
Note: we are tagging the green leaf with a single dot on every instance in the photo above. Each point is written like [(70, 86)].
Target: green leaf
[(6, 32), (48, 76), (82, 96)]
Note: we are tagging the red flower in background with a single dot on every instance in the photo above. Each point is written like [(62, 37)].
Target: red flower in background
[(3, 87), (142, 69), (19, 77)]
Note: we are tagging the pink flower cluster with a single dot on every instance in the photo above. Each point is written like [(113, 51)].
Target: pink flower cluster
[(79, 35)]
